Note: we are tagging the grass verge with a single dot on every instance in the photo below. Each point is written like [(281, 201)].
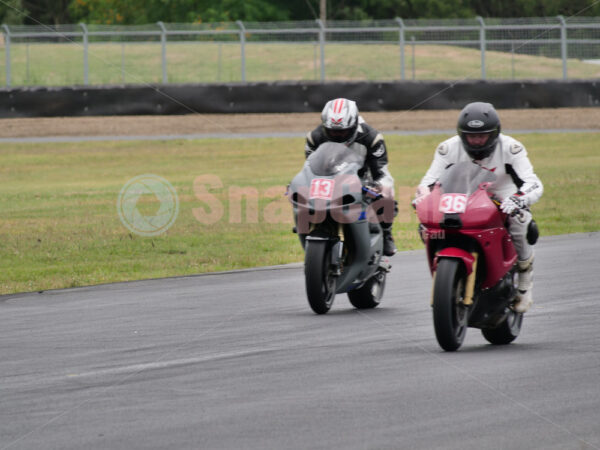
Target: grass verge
[(60, 228)]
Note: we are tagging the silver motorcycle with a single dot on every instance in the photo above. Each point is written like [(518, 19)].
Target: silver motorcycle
[(337, 222)]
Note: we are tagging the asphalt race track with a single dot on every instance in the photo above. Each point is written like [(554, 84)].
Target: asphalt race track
[(238, 360)]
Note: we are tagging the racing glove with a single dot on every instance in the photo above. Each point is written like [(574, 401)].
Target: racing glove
[(422, 192), (513, 204)]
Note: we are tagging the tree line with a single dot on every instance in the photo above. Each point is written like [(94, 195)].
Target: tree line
[(130, 12)]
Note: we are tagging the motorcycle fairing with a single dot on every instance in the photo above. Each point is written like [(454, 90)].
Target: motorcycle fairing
[(320, 219), (454, 252)]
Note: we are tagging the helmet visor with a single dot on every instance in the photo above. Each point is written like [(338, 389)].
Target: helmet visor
[(339, 134), (477, 140)]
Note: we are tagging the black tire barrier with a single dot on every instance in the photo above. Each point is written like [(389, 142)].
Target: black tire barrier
[(288, 97)]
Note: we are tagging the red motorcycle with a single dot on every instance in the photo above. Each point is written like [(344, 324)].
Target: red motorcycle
[(471, 257)]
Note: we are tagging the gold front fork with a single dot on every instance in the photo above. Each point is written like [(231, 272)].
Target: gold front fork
[(468, 300), (469, 288)]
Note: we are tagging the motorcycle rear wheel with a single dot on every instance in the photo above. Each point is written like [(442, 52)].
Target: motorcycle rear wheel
[(320, 282), (450, 316), (506, 332), (369, 295)]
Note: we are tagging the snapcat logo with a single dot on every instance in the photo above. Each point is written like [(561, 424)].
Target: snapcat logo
[(475, 124), (161, 198)]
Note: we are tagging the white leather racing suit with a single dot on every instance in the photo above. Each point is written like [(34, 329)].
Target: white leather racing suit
[(514, 173)]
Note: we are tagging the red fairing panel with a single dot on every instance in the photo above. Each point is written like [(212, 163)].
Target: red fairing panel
[(428, 210), (454, 252), (499, 254), (481, 212)]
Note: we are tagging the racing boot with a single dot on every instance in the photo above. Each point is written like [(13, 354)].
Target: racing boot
[(389, 248), (524, 298)]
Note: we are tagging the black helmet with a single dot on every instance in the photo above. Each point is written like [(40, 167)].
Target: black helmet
[(479, 118)]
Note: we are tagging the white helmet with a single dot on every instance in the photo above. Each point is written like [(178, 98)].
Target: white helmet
[(340, 120)]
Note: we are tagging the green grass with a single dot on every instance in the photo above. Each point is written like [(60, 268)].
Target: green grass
[(60, 228), (206, 62)]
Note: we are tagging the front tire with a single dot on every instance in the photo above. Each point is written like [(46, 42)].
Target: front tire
[(320, 282), (507, 331), (369, 295), (450, 315)]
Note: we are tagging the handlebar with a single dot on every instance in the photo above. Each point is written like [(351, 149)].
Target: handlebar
[(370, 192)]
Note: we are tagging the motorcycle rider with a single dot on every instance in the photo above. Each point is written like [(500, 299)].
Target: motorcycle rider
[(341, 122), (479, 140)]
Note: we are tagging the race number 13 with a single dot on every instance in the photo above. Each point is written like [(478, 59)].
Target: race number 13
[(453, 203), (322, 188)]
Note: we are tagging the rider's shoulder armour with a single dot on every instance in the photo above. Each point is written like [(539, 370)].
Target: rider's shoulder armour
[(366, 135), (316, 137)]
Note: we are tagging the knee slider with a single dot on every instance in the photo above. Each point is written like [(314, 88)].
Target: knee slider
[(533, 232)]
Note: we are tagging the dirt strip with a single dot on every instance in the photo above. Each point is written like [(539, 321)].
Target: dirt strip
[(515, 119)]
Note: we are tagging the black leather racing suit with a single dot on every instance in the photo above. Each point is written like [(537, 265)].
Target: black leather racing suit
[(369, 144)]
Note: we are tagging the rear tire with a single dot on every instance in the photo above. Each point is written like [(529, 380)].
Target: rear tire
[(450, 316), (369, 295), (320, 282), (506, 332)]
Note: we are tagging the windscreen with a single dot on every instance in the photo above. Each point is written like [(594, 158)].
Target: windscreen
[(464, 178), (332, 158)]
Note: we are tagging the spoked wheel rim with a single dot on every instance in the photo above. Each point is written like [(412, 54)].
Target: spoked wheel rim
[(377, 287), (328, 287), (460, 311), (514, 320)]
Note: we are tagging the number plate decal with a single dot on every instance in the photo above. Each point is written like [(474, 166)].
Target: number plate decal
[(453, 203), (322, 188)]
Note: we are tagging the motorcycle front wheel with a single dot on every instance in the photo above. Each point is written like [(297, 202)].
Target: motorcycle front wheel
[(450, 315), (369, 295), (320, 281)]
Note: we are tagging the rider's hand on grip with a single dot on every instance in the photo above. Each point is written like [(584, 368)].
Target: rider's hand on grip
[(420, 195), (513, 204), (372, 192)]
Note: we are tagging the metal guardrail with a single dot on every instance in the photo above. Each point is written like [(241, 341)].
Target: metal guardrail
[(564, 40)]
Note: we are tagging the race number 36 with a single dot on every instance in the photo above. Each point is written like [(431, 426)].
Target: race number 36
[(453, 203), (322, 188)]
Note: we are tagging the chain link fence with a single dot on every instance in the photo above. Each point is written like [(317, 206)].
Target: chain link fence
[(453, 49)]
